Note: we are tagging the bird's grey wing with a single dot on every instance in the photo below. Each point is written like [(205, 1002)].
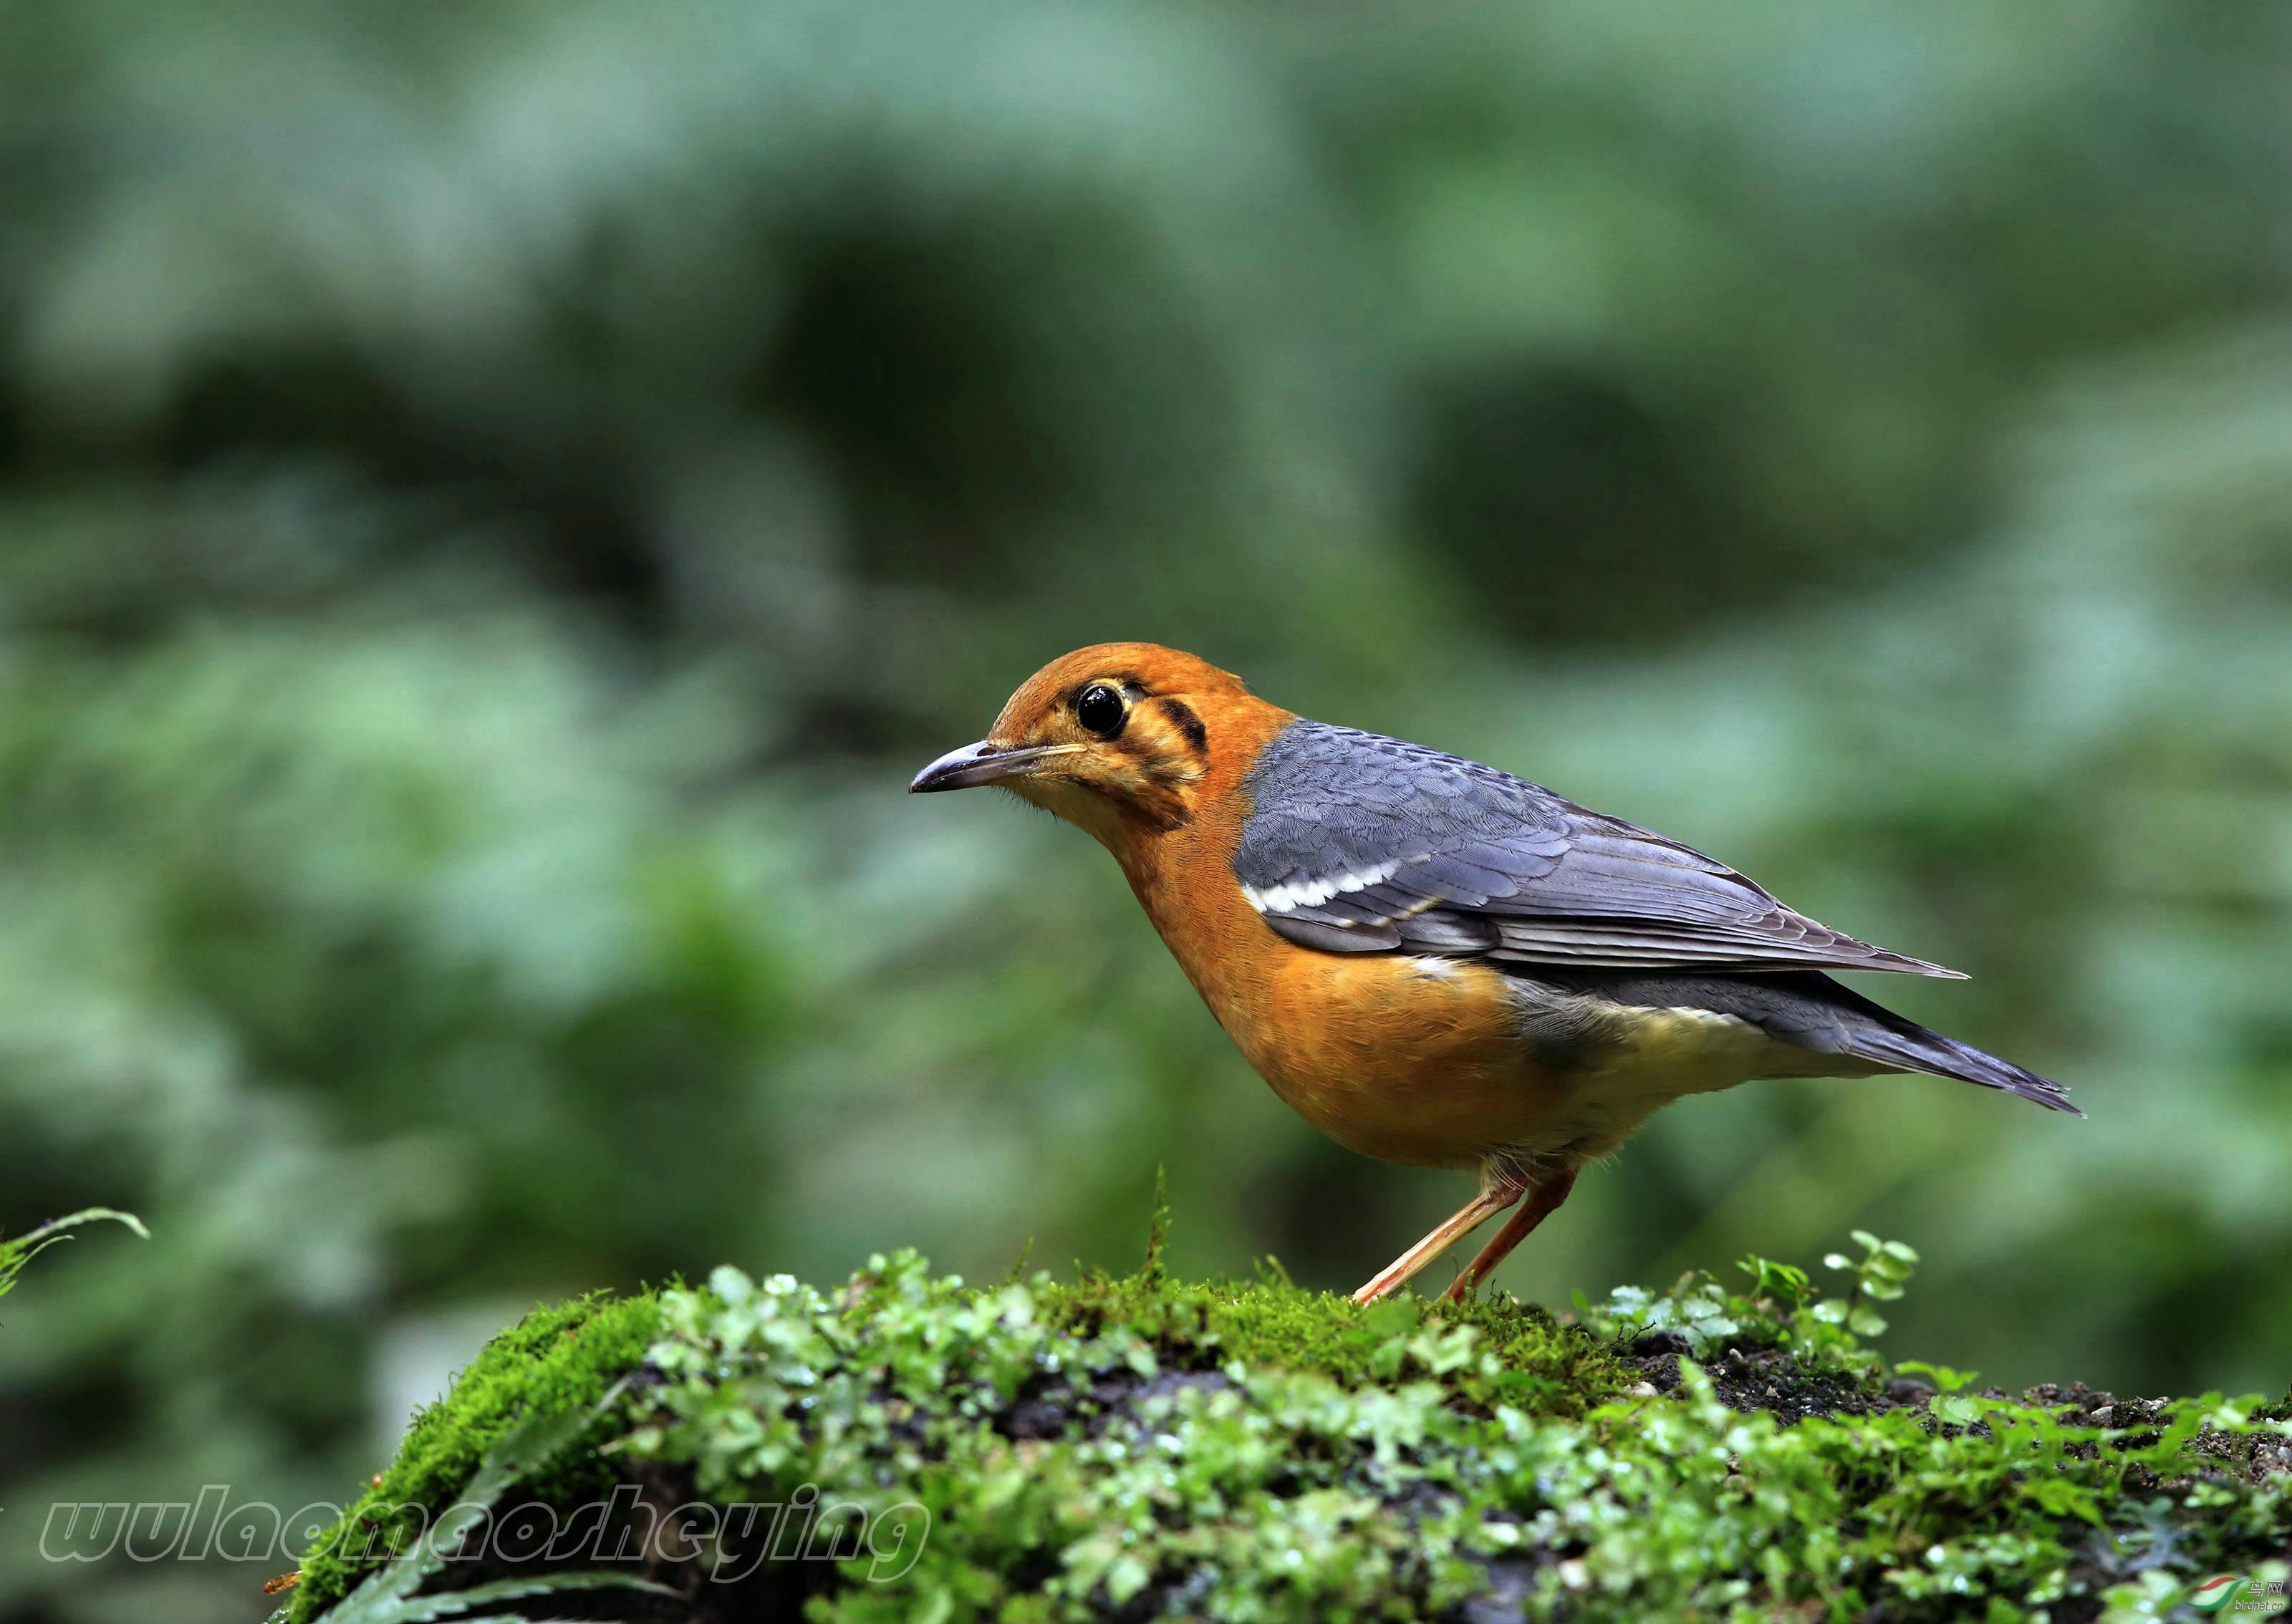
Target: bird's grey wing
[(1357, 843)]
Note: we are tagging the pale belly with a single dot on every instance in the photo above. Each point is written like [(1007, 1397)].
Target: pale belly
[(1656, 1056)]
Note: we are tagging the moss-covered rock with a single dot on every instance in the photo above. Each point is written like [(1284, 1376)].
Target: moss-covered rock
[(916, 1449), (555, 1361)]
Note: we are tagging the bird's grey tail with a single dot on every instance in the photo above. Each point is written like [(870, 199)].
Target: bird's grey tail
[(1905, 1045), (1811, 1010)]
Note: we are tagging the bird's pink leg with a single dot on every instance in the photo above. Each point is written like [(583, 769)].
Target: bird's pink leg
[(1543, 1200), (1493, 1199)]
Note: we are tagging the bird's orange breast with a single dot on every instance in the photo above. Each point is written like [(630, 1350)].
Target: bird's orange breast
[(1407, 1060)]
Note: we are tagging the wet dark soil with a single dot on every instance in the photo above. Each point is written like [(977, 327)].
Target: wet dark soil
[(1769, 1378)]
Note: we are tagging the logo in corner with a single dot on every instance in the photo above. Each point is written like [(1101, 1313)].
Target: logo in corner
[(2238, 1593), (2217, 1592)]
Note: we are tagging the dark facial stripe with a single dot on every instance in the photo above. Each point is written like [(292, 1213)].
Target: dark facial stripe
[(1183, 718)]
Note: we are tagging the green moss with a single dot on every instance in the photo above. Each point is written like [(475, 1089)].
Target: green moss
[(1148, 1447), (1538, 1365), (554, 1362)]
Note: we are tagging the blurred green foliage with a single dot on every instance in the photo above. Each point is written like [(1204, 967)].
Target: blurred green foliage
[(495, 499)]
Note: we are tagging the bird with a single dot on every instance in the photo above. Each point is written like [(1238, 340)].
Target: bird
[(1433, 961)]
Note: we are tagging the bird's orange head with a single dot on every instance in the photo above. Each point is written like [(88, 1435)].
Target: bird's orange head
[(1122, 739)]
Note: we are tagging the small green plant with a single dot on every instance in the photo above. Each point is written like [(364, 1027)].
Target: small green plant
[(1950, 1402), (1782, 1308), (1880, 1275), (1696, 1308), (16, 1253), (1785, 1284)]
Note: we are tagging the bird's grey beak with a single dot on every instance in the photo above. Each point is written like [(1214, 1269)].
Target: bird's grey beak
[(985, 762)]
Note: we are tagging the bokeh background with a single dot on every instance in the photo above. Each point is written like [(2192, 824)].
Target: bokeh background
[(497, 498)]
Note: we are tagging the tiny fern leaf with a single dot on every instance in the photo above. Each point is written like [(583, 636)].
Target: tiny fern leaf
[(389, 1596)]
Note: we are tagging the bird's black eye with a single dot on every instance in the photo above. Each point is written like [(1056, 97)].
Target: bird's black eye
[(1100, 710)]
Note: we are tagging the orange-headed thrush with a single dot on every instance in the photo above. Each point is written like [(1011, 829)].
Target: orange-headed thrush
[(1433, 961)]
